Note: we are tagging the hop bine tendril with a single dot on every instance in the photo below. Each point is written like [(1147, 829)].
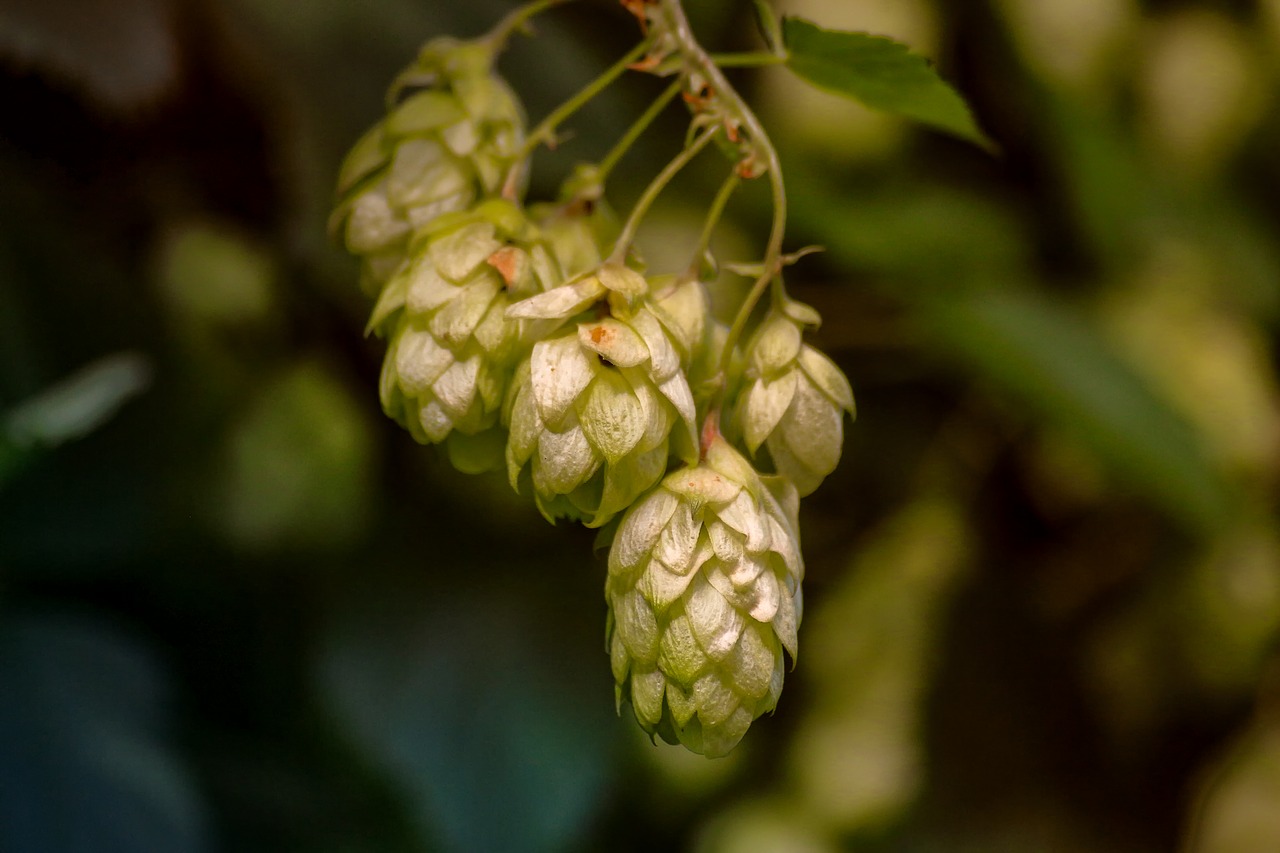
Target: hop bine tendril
[(528, 335)]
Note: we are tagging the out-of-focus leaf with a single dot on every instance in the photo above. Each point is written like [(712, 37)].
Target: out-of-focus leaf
[(938, 237), (122, 52), (299, 465), (857, 756), (497, 742), (210, 276), (88, 765), (880, 73), (72, 408), (1059, 365), (1237, 812)]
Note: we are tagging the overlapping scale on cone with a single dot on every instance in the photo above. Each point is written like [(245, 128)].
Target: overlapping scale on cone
[(704, 597), (453, 141), (451, 349), (793, 402), (603, 401)]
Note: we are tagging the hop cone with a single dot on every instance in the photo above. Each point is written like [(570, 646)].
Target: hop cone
[(793, 403), (704, 596), (451, 348), (597, 406), (437, 151)]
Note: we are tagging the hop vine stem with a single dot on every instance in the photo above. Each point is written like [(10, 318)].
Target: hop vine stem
[(696, 59), (545, 131), (517, 19), (650, 194)]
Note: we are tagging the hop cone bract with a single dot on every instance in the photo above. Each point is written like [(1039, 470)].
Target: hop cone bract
[(793, 403), (438, 150), (596, 407), (451, 347), (704, 597)]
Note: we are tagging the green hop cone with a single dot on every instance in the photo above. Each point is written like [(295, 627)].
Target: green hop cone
[(438, 150), (451, 347), (704, 597), (602, 402), (793, 400)]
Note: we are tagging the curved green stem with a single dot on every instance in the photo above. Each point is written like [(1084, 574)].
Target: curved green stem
[(752, 59), (545, 131), (516, 19), (713, 219), (650, 194), (697, 59), (623, 145)]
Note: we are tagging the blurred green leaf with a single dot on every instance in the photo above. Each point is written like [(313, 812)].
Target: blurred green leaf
[(858, 757), (88, 766), (1054, 361), (879, 72), (497, 741), (71, 409), (122, 52), (213, 276), (298, 465)]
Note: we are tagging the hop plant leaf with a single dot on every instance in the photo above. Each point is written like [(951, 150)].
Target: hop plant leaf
[(704, 597)]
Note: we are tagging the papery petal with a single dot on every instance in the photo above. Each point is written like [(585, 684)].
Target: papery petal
[(715, 623), (664, 361), (613, 340), (435, 421), (785, 624), (457, 254), (647, 690), (420, 360), (752, 662), (456, 387), (559, 373), (766, 402), (679, 539), (611, 416), (679, 654), (427, 290), (775, 345), (564, 461), (828, 377), (637, 626), (560, 302), (455, 322)]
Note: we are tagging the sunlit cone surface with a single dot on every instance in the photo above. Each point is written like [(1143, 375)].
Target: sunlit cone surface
[(704, 597), (453, 141), (793, 403), (602, 402), (451, 348)]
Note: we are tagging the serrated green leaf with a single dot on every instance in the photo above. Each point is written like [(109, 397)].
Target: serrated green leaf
[(879, 72)]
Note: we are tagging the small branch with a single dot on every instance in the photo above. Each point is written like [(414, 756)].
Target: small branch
[(628, 235)]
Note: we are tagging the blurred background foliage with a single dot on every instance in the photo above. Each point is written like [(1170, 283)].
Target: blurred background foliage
[(241, 610)]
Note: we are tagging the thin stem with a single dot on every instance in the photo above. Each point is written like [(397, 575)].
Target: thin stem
[(623, 145), (752, 59), (516, 19), (713, 218), (628, 235), (545, 131), (696, 58)]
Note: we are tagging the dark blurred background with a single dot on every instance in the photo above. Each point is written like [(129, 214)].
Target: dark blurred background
[(241, 610)]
